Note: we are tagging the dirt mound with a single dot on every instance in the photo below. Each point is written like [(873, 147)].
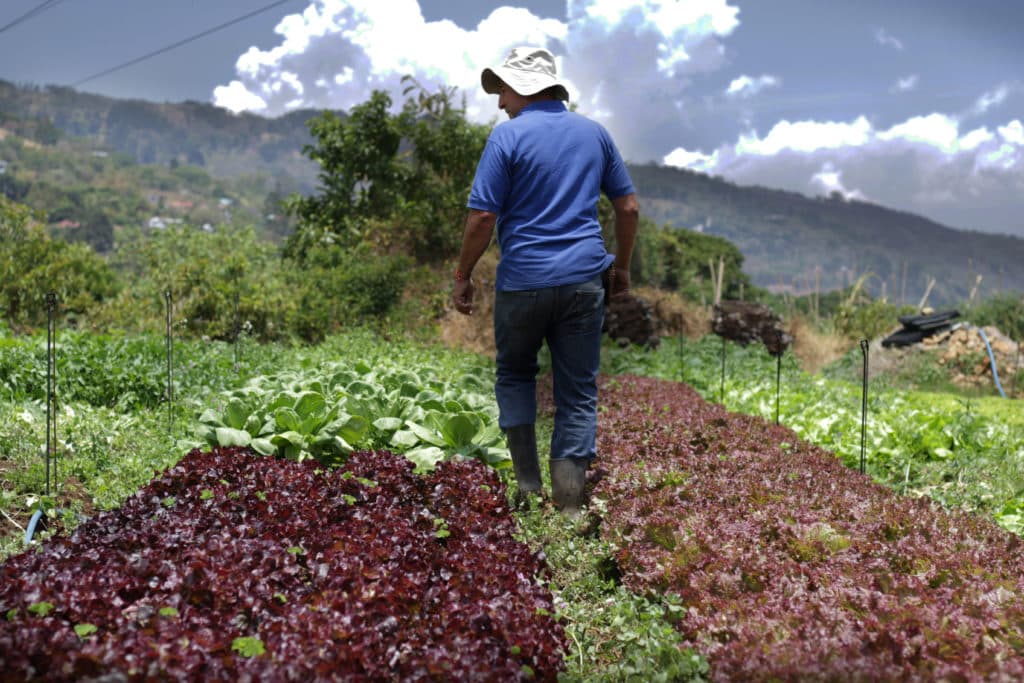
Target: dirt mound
[(963, 351)]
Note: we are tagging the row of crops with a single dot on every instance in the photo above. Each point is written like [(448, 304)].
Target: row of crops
[(707, 516), (964, 453)]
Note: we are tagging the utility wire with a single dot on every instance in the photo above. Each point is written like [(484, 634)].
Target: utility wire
[(168, 48), (38, 9)]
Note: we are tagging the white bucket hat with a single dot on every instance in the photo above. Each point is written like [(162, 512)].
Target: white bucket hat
[(527, 70)]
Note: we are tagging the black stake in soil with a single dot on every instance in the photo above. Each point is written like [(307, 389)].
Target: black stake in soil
[(236, 330), (51, 400), (170, 370), (1016, 372), (722, 392), (682, 375), (864, 406), (778, 371)]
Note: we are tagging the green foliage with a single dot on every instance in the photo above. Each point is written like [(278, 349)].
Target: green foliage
[(390, 179), (868, 320), (337, 287), (445, 149), (360, 176), (248, 646), (327, 413), (1004, 311), (85, 630), (32, 264), (615, 635), (207, 274)]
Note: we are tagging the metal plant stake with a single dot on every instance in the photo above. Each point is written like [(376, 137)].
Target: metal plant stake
[(170, 367), (864, 407), (51, 398)]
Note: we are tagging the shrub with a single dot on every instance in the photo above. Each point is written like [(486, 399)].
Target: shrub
[(338, 287), (32, 264), (1003, 311)]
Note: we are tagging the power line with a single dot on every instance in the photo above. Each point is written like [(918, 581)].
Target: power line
[(38, 9), (168, 48)]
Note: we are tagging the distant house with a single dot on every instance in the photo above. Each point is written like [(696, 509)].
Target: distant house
[(161, 222), (100, 153), (182, 204), (67, 224)]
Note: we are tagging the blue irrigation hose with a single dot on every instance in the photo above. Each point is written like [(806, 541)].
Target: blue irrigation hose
[(992, 361), (32, 523)]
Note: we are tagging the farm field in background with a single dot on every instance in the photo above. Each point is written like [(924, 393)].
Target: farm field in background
[(966, 453), (359, 393)]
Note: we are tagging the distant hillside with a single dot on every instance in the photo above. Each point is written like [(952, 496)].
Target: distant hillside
[(790, 242), (90, 193), (191, 133), (786, 238)]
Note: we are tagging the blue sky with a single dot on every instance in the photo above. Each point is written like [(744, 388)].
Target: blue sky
[(913, 104)]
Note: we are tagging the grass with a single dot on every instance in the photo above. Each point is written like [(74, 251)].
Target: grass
[(616, 635)]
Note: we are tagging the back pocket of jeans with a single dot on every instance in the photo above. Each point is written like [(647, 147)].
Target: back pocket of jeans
[(516, 310)]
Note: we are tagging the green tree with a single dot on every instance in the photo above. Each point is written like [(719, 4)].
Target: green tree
[(443, 153), (406, 175), (360, 176), (32, 264)]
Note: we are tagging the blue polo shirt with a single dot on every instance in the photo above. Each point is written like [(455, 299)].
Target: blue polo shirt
[(542, 174)]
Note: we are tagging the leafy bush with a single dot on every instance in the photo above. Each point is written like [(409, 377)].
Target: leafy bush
[(869, 320), (1003, 311), (392, 180), (338, 287), (206, 273), (32, 264)]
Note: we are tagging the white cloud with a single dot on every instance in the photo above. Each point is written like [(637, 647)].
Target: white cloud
[(829, 180), (745, 86), (336, 51), (1013, 132), (236, 98), (696, 161), (615, 54), (990, 99), (905, 84), (935, 130), (976, 138), (882, 37), (805, 136), (923, 164)]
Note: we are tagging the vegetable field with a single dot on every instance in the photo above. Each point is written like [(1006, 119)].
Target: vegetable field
[(790, 566), (232, 565), (340, 512)]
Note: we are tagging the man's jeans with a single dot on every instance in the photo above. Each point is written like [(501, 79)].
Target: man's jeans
[(569, 317)]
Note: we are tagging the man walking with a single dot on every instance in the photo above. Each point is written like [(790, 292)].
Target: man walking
[(539, 180)]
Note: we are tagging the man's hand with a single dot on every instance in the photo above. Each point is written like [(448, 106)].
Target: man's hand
[(618, 283), (462, 296), (627, 219), (475, 238)]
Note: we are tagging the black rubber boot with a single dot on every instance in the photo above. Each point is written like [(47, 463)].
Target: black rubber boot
[(568, 477), (522, 443)]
